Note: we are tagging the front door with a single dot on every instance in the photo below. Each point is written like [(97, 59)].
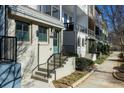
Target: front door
[(56, 42)]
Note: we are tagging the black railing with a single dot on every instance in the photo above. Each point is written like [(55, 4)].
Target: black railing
[(70, 27), (53, 62), (91, 33), (8, 49)]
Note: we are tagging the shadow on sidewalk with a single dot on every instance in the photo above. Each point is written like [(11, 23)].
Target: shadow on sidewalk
[(116, 60), (102, 71)]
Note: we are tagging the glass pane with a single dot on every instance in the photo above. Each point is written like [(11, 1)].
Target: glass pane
[(42, 35), (47, 9), (18, 25), (25, 27), (55, 42), (78, 42), (55, 13), (65, 18), (22, 31), (70, 19), (25, 36), (82, 42), (18, 35)]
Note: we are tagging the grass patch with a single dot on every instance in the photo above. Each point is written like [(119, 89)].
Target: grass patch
[(101, 59), (69, 80)]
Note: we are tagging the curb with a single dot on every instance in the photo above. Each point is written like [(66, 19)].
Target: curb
[(77, 82), (82, 79)]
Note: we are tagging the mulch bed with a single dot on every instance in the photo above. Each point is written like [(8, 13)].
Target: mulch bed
[(67, 81)]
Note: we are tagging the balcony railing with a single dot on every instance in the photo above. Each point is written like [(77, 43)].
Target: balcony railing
[(8, 49), (70, 27), (91, 33)]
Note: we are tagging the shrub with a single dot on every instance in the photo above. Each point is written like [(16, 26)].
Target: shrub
[(101, 59), (83, 63), (121, 55)]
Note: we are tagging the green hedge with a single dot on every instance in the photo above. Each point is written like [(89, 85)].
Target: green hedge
[(101, 59), (83, 63), (121, 55)]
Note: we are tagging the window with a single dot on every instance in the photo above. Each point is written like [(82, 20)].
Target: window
[(42, 34), (70, 19), (91, 9), (83, 42), (47, 9), (65, 18), (55, 39), (22, 31), (78, 42), (55, 12)]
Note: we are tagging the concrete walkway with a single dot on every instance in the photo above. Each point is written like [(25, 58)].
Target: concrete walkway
[(102, 77)]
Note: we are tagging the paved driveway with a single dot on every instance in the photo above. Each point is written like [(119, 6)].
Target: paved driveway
[(102, 78)]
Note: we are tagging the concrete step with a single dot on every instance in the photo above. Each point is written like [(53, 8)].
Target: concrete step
[(45, 70), (44, 74), (63, 58), (56, 65), (40, 78)]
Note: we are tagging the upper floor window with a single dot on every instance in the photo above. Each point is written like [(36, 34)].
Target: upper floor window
[(78, 42), (47, 9), (65, 18), (83, 42), (91, 9), (22, 31), (70, 19), (55, 12), (42, 34)]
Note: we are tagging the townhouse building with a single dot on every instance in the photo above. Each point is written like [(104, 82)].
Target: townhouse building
[(101, 33), (46, 33), (38, 30), (75, 21)]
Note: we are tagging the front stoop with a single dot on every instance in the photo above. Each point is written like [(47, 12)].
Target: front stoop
[(66, 68)]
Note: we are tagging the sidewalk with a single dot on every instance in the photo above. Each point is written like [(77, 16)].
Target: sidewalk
[(102, 77)]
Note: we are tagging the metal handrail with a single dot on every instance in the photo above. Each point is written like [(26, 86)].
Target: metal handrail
[(48, 63), (78, 27), (37, 66)]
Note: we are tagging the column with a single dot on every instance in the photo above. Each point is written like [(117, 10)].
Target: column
[(60, 13)]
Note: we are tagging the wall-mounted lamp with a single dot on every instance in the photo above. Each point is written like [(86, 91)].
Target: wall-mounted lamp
[(51, 34)]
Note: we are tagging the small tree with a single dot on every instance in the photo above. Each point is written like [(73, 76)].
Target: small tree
[(113, 15)]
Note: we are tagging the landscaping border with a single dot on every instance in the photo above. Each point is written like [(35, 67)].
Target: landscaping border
[(75, 84), (82, 79)]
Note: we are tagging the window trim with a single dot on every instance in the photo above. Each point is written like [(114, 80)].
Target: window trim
[(53, 7), (83, 42), (43, 42), (29, 32), (79, 42)]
